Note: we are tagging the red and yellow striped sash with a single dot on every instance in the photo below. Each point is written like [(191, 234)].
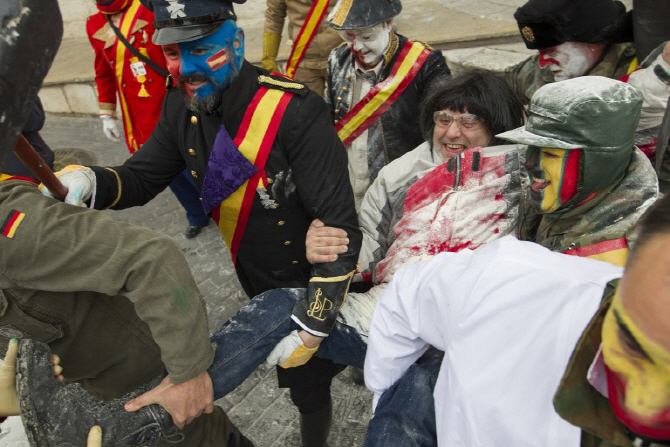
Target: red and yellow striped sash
[(312, 22), (254, 140), (384, 94), (127, 23), (615, 251)]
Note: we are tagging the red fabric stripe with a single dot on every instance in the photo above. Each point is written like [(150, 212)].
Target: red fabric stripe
[(599, 248), (570, 176), (8, 227), (389, 102), (261, 158), (244, 127), (216, 216), (18, 177), (128, 124), (309, 41)]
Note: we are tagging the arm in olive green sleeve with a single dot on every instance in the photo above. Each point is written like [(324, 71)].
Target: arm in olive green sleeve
[(62, 248)]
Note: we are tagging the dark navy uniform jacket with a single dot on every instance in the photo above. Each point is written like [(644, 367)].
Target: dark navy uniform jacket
[(307, 178)]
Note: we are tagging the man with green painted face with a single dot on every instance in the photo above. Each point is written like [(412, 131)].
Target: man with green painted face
[(588, 180)]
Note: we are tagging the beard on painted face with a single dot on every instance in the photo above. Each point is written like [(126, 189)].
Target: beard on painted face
[(569, 59), (554, 175), (194, 103), (368, 44), (206, 67)]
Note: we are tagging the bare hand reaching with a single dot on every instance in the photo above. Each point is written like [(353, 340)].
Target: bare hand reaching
[(323, 243), (185, 401)]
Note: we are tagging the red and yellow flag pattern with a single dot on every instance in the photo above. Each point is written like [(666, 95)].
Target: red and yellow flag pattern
[(309, 29), (254, 140), (11, 223), (383, 95), (615, 251)]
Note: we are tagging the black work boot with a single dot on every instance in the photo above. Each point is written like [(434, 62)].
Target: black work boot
[(59, 415), (315, 427)]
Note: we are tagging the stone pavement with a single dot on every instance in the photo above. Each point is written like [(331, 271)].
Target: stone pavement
[(261, 410)]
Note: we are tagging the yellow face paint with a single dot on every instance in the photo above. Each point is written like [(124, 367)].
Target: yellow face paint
[(555, 176), (640, 371)]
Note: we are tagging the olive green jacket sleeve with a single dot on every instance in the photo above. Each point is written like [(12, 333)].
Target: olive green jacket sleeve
[(581, 404), (62, 248)]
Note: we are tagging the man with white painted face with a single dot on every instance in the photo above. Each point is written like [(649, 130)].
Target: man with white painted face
[(573, 38), (267, 160), (375, 85), (576, 38)]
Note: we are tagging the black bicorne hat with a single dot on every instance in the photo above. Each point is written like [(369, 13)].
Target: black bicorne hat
[(30, 33), (547, 23), (357, 14), (185, 20)]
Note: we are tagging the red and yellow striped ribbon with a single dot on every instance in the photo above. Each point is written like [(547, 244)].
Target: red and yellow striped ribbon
[(312, 22), (615, 251), (127, 22), (254, 140), (384, 94), (5, 177)]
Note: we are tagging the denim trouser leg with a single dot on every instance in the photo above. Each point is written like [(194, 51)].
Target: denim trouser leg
[(246, 340), (405, 414), (344, 346), (184, 188)]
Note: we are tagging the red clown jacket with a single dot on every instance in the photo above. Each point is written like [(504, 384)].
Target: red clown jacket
[(140, 89)]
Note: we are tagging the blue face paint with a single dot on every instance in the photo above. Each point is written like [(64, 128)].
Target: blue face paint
[(209, 65)]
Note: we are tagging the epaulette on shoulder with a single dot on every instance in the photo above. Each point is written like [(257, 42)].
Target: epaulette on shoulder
[(424, 44), (284, 84), (343, 44)]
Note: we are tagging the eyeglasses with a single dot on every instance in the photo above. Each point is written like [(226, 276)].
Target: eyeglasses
[(444, 119)]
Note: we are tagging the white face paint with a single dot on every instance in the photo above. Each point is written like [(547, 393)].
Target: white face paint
[(570, 59), (368, 44)]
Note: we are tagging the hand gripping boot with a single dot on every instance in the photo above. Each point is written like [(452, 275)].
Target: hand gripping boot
[(59, 415)]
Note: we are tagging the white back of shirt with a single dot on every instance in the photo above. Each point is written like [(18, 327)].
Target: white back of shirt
[(508, 316)]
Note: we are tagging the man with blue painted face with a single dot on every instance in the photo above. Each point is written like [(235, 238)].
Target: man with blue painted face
[(267, 160)]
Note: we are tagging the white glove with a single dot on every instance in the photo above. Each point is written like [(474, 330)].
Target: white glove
[(109, 128), (290, 352), (79, 181)]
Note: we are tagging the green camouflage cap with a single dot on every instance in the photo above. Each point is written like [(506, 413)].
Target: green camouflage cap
[(596, 114)]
